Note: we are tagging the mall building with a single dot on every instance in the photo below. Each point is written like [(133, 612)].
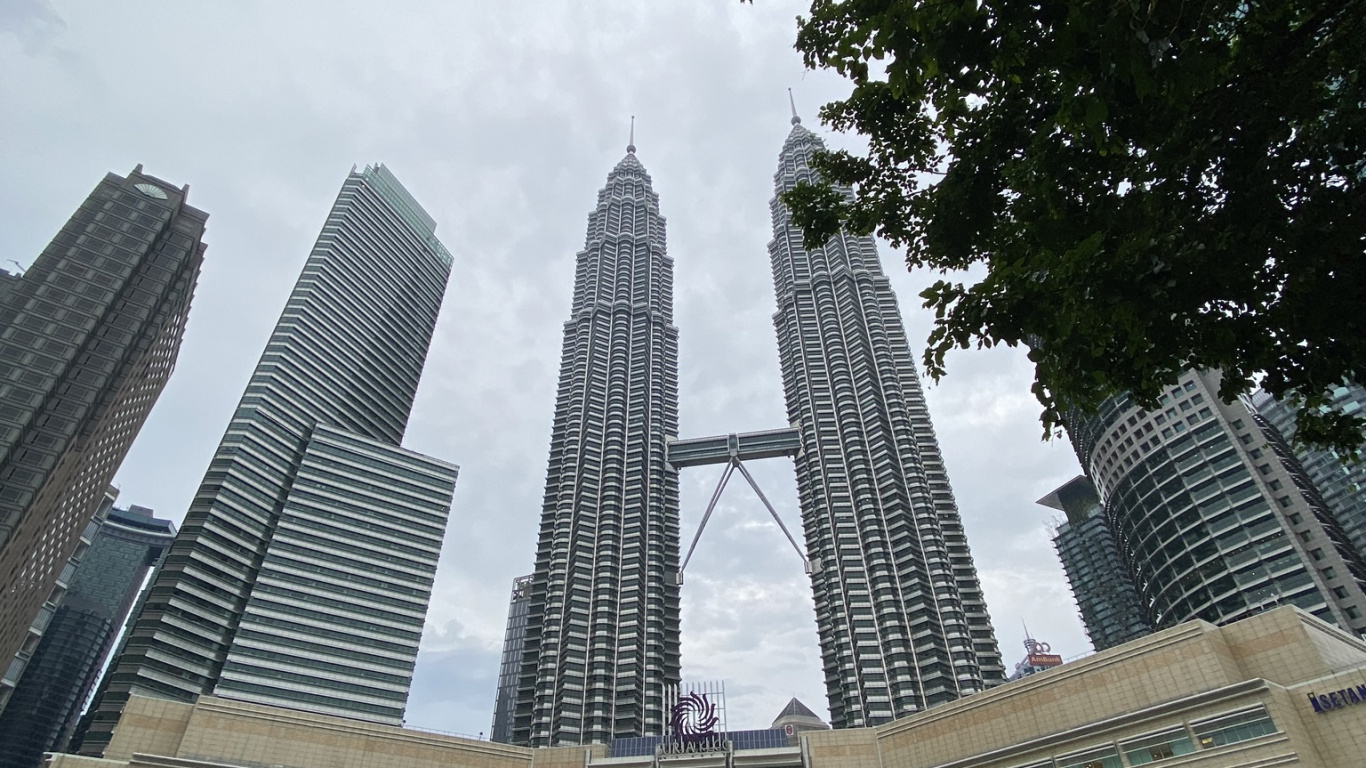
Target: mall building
[(1280, 688)]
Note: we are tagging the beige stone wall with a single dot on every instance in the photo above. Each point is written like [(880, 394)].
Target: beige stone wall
[(153, 726), (1338, 734), (566, 757), (220, 730), (842, 749), (1179, 675), (232, 731), (1178, 662), (1288, 645)]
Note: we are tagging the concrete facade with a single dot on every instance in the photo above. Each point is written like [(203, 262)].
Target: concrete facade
[(88, 338), (1195, 695)]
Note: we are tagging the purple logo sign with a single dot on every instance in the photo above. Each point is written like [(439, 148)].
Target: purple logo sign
[(693, 718)]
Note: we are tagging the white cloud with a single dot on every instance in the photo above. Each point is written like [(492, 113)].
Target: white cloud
[(503, 120)]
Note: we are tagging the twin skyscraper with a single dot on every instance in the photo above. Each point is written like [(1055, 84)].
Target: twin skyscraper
[(899, 609), (302, 572)]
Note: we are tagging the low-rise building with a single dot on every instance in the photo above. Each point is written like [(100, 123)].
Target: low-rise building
[(1280, 688)]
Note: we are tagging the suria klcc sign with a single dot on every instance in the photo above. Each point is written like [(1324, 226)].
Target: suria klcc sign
[(693, 720), (1324, 702)]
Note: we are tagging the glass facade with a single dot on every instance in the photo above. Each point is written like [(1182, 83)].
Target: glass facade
[(900, 613), (61, 676), (1207, 514), (302, 572), (88, 338), (1104, 590), (1343, 485), (510, 666), (602, 634)]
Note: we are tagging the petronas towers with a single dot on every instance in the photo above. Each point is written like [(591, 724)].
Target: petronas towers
[(602, 631), (902, 621), (899, 609)]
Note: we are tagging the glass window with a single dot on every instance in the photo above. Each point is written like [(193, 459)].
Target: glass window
[(1230, 729), (1101, 757), (1158, 746)]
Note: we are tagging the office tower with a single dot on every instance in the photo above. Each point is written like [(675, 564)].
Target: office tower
[(43, 711), (602, 625), (302, 571), (510, 667), (19, 664), (1207, 515), (1343, 485), (1104, 590), (900, 613), (88, 337)]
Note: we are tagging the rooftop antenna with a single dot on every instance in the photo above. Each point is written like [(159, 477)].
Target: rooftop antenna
[(795, 120), (631, 145)]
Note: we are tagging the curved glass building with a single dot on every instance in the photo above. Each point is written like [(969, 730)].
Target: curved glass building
[(1207, 515)]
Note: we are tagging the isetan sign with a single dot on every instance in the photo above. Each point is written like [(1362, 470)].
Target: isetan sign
[(1323, 702)]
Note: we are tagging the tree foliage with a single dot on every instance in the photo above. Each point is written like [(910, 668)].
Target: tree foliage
[(1151, 185)]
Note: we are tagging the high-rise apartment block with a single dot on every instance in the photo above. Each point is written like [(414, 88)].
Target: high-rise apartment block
[(302, 572), (1211, 517), (47, 702), (900, 612), (510, 666), (1104, 591), (602, 634), (88, 337), (1342, 484)]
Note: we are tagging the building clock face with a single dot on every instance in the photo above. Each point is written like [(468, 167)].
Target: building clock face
[(151, 191)]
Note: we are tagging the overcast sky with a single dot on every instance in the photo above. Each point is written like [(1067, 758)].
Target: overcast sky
[(503, 119)]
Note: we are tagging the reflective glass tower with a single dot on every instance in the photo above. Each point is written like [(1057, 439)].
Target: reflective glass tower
[(1343, 485), (1104, 590), (603, 618), (88, 338), (43, 711), (510, 666), (302, 572), (900, 613)]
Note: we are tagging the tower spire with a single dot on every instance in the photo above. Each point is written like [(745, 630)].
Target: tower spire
[(631, 144), (795, 120)]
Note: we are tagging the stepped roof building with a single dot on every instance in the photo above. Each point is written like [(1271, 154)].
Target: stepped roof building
[(902, 620), (602, 627)]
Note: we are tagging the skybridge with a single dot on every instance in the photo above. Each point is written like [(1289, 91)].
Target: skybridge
[(733, 450)]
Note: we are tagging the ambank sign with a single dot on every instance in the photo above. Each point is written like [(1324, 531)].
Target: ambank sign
[(1323, 702)]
